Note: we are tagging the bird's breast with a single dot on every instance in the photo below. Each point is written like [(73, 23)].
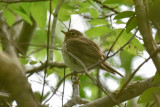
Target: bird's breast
[(72, 63)]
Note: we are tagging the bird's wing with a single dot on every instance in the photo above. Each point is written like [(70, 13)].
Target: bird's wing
[(87, 51), (84, 49)]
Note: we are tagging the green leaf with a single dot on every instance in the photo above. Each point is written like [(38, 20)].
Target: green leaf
[(112, 1), (134, 47), (147, 95), (46, 95), (119, 21), (26, 7), (60, 72), (38, 53), (157, 37), (124, 14), (1, 6), (83, 7), (98, 31), (66, 11), (93, 12), (62, 16), (126, 62), (23, 60), (58, 55), (156, 79), (82, 92), (138, 78), (86, 82), (39, 40), (10, 18), (94, 89), (50, 71), (98, 22), (131, 24), (40, 37), (19, 11), (39, 13), (32, 62), (38, 95), (128, 2)]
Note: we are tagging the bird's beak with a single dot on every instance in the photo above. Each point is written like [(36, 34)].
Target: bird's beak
[(63, 32)]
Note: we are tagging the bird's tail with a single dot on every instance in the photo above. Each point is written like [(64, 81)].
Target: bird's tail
[(108, 68)]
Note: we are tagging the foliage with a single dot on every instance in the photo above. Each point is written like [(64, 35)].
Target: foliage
[(102, 22)]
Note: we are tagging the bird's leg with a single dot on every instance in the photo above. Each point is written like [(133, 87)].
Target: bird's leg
[(75, 80)]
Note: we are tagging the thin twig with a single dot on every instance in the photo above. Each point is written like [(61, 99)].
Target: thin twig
[(48, 36), (64, 24), (41, 67), (105, 6), (57, 87), (69, 24), (115, 41), (124, 44), (39, 45), (135, 71), (54, 28), (63, 85)]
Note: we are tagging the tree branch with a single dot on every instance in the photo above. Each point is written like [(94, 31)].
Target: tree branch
[(17, 1), (12, 77), (76, 99), (105, 6), (40, 68), (131, 91), (54, 28), (146, 31)]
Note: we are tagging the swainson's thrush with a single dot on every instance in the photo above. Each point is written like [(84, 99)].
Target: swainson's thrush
[(83, 49)]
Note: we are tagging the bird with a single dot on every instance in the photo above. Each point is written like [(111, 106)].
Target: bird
[(78, 50)]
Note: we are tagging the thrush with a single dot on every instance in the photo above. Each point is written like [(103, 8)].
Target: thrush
[(79, 50)]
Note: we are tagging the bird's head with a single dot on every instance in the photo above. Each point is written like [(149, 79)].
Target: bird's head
[(72, 34)]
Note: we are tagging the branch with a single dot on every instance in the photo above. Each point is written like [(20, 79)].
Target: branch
[(17, 1), (42, 67), (76, 99), (146, 31), (58, 85), (105, 6), (5, 35), (135, 71), (131, 91), (4, 95), (54, 28), (12, 77)]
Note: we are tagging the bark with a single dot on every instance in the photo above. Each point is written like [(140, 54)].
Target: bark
[(13, 79), (146, 31), (131, 91)]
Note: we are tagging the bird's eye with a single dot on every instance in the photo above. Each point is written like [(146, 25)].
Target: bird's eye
[(73, 34)]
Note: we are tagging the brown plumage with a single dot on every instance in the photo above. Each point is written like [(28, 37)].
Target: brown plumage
[(85, 50)]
